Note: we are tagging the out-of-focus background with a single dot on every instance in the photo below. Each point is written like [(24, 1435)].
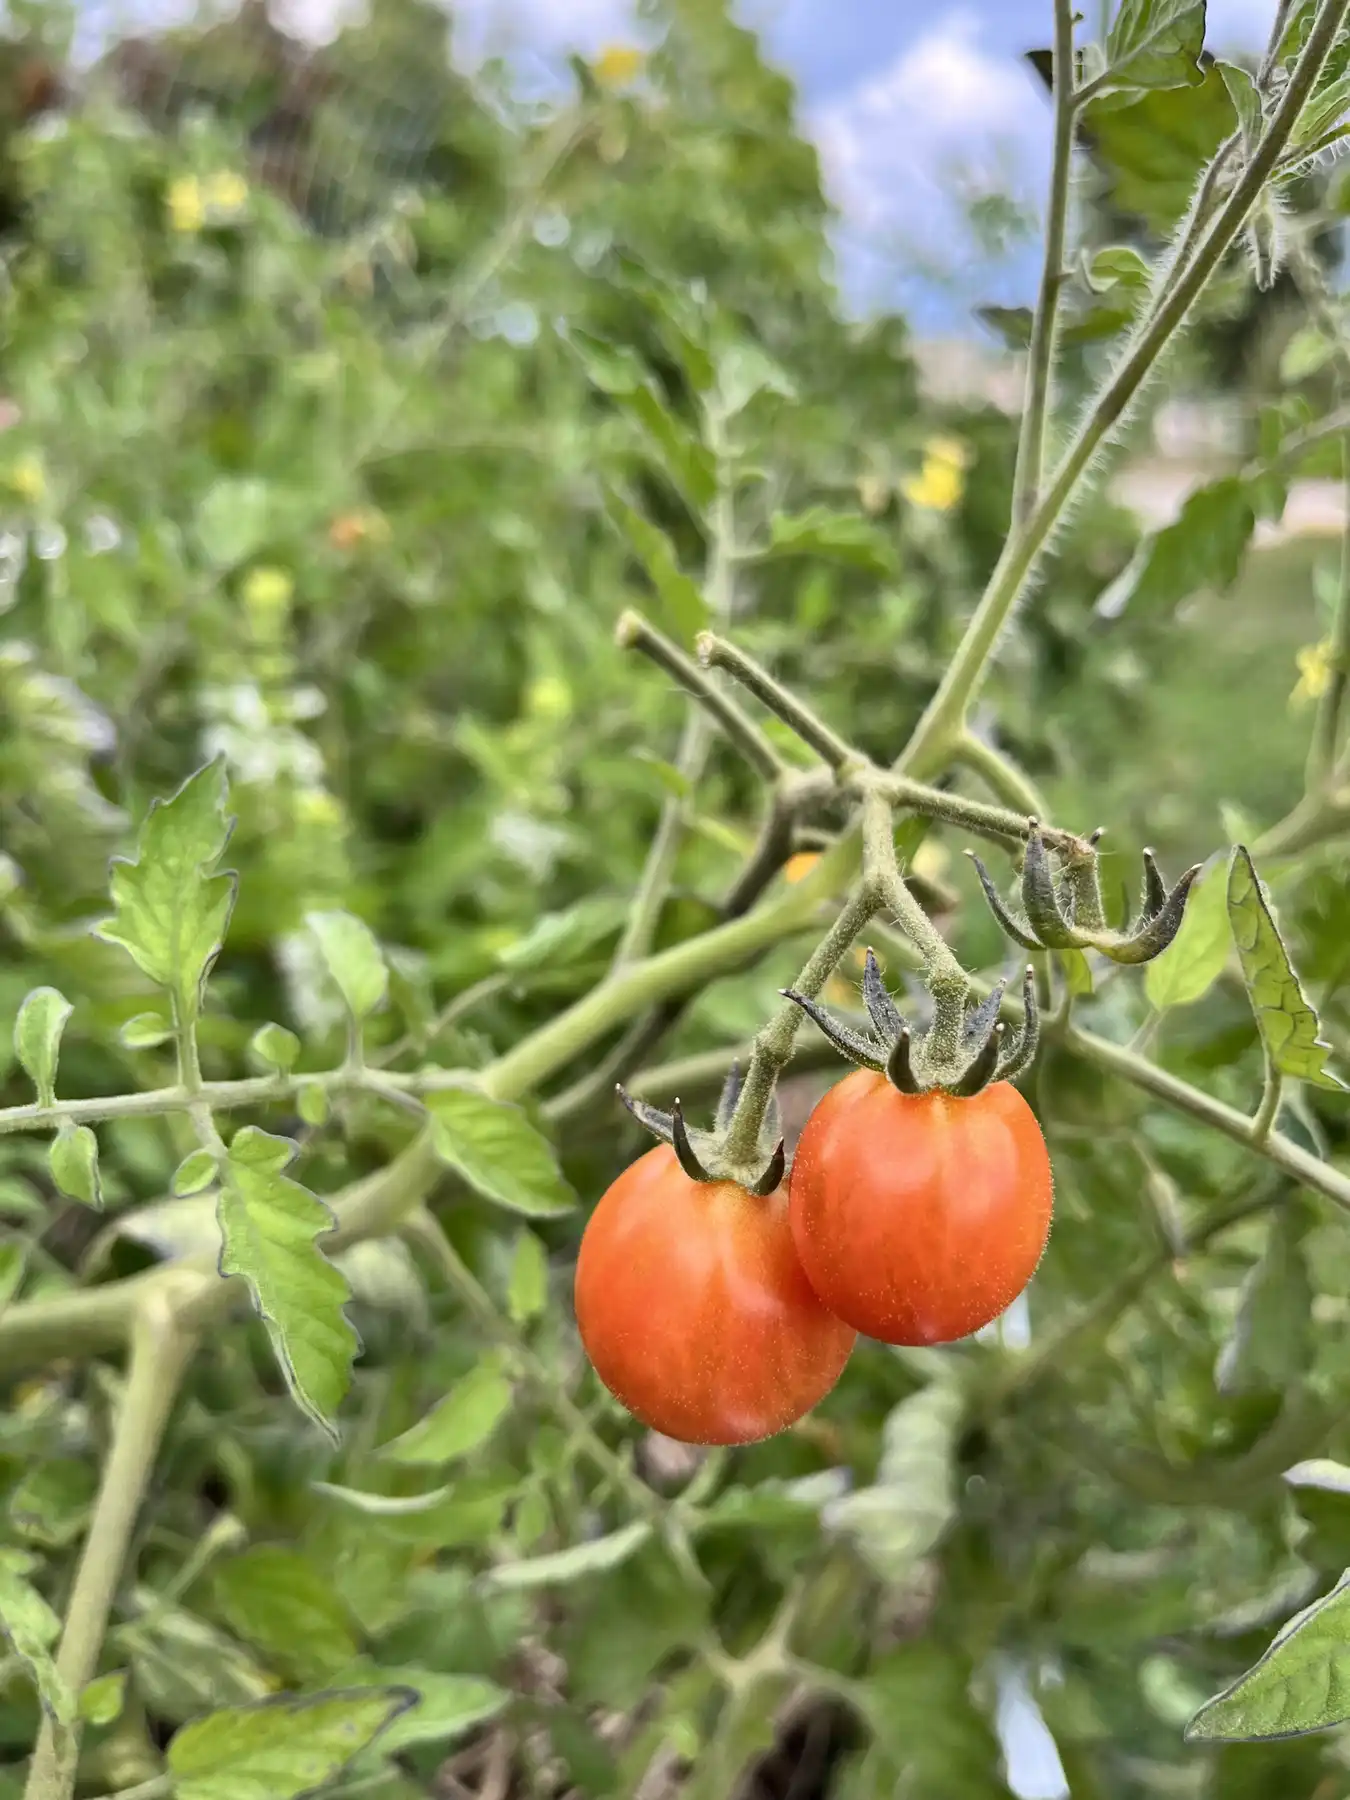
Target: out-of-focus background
[(346, 350)]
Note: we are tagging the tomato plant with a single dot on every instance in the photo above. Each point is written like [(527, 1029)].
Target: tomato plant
[(919, 1217), (510, 625), (694, 1310)]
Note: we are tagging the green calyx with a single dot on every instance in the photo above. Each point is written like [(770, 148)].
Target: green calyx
[(965, 1049), (1063, 908), (703, 1154)]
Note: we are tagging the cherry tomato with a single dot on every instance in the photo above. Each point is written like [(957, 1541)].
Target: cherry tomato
[(694, 1309), (919, 1218)]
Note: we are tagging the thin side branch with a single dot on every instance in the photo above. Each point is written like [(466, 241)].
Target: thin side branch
[(717, 653), (1041, 352), (633, 632)]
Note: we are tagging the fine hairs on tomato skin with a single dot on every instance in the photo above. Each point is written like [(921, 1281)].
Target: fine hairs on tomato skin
[(920, 1218), (695, 1312)]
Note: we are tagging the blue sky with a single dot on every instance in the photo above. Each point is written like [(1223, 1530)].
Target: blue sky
[(910, 102)]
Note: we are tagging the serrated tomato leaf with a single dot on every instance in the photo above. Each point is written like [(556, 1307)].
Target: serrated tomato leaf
[(281, 1748), (37, 1038), (1301, 1684), (1288, 1025), (499, 1152), (170, 910), (270, 1227)]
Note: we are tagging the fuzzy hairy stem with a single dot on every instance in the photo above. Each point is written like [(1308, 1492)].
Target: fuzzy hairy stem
[(1041, 352), (939, 961), (716, 653), (634, 632), (945, 715), (774, 1044), (1003, 777), (159, 1355)]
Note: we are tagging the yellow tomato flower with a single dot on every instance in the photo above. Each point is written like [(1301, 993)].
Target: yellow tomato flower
[(267, 593), (186, 204), (617, 64), (226, 192), (941, 481), (27, 479), (1314, 673)]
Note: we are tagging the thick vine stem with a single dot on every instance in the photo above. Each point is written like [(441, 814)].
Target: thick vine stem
[(944, 718), (1041, 351), (160, 1353), (940, 964)]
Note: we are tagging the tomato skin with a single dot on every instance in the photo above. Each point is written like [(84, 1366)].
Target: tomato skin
[(919, 1218), (694, 1310)]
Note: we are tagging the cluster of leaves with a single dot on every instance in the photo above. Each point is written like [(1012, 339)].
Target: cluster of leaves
[(335, 495)]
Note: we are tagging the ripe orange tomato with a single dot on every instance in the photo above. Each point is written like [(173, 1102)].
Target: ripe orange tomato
[(919, 1218), (694, 1309)]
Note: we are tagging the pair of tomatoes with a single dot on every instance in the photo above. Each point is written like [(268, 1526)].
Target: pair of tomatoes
[(719, 1317)]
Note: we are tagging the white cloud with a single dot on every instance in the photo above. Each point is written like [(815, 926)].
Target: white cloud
[(944, 110), (904, 149)]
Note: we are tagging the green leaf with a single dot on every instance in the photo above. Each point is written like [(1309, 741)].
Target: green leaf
[(1156, 43), (447, 1705), (744, 371), (573, 1564), (384, 1506), (1190, 965), (1324, 111), (901, 1517), (234, 520), (1306, 352), (527, 1284), (102, 1701), (1011, 323), (286, 1608), (558, 939), (312, 1103), (353, 960), (37, 1038), (680, 455), (282, 1748), (1289, 1027), (52, 1501), (73, 1161), (464, 1420), (498, 1152), (918, 1703), (681, 597), (171, 911), (1246, 100), (30, 1626), (1077, 971), (1202, 549), (1320, 1472), (1302, 1683), (146, 1031), (841, 537), (275, 1046), (270, 1227), (1270, 1343), (1153, 149), (196, 1172), (613, 368)]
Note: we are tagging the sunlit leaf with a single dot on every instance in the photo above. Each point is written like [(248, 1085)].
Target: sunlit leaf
[(271, 1227), (275, 1046), (447, 1705), (1201, 550), (463, 1421), (196, 1172), (594, 1557), (1156, 43), (1302, 1683), (527, 1285), (498, 1152), (903, 1514), (282, 1748), (352, 958), (37, 1038), (73, 1161), (1289, 1027), (1190, 965), (1153, 149), (170, 910), (837, 536)]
